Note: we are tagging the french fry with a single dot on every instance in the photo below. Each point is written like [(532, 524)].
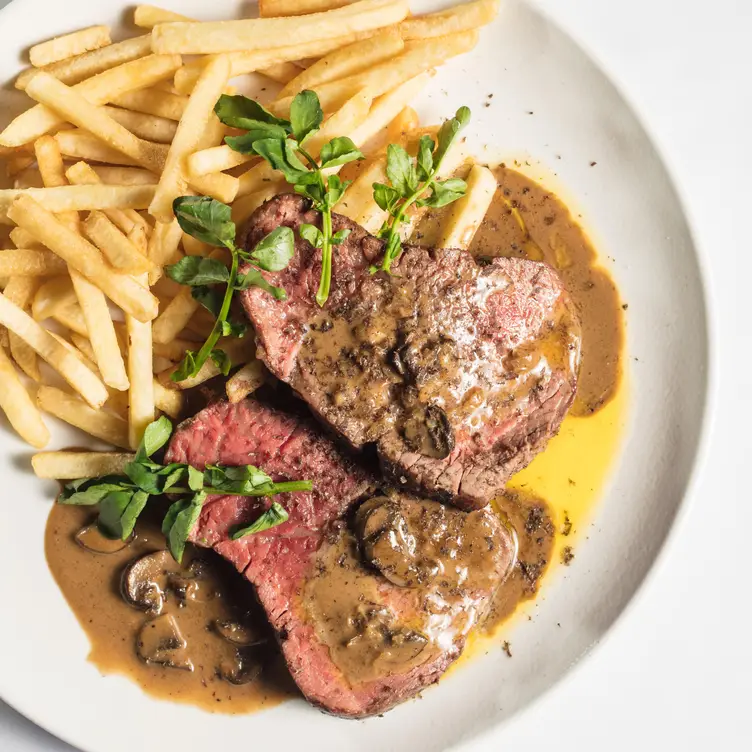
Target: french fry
[(417, 58), (78, 144), (69, 45), (347, 61), (20, 290), (244, 207), (358, 203), (82, 256), (173, 319), (102, 425), (83, 344), (18, 406), (465, 215), (207, 371), (24, 262), (148, 127), (71, 317), (263, 33), (215, 159), (98, 90), (67, 365), (23, 239), (173, 350), (17, 164), (148, 16), (164, 247), (352, 113), (74, 465), (50, 162), (245, 381), (194, 247), (138, 239), (282, 73), (101, 332), (459, 18), (141, 394), (76, 109), (90, 64), (83, 174), (169, 401), (405, 121), (190, 130), (115, 246), (123, 175), (386, 108), (274, 8), (155, 102), (80, 198), (50, 296)]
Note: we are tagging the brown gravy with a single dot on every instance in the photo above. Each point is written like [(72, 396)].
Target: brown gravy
[(91, 583)]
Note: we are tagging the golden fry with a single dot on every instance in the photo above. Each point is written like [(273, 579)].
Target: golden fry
[(141, 394), (215, 159), (463, 17), (74, 465), (151, 128), (275, 8), (465, 215), (69, 45), (115, 246), (24, 262), (169, 401), (154, 102), (175, 317), (18, 406), (245, 381), (164, 248)]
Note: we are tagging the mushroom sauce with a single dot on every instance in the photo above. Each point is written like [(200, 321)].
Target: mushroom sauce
[(195, 634)]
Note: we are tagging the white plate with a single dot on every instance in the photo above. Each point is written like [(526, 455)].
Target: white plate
[(631, 208)]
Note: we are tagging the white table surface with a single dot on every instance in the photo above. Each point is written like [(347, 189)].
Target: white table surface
[(676, 672)]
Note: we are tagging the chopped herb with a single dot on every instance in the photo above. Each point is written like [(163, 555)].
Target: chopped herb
[(121, 499), (210, 221), (280, 142)]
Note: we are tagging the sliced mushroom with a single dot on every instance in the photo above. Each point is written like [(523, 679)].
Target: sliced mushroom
[(91, 538), (144, 581), (160, 641), (245, 667), (237, 633), (195, 585), (389, 533)]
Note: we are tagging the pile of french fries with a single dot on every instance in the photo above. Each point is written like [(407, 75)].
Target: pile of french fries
[(90, 327)]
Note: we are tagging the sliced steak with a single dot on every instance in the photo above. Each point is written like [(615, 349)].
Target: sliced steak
[(369, 607), (459, 372)]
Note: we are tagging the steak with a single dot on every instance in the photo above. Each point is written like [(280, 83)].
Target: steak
[(370, 601), (459, 372)]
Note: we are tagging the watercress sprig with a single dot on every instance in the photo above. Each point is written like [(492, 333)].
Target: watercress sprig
[(122, 498), (281, 143), (210, 221), (414, 182)]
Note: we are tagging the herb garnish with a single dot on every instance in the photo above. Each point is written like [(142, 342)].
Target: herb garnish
[(210, 221), (280, 143), (412, 179), (121, 498)]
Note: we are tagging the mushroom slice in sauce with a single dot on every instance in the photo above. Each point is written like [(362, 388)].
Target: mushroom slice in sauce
[(160, 641), (237, 633), (245, 667), (90, 537), (144, 581)]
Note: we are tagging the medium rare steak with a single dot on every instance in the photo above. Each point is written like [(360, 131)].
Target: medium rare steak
[(460, 372), (369, 607)]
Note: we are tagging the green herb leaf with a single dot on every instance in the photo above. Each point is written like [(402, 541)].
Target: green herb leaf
[(312, 186), (336, 188), (195, 270), (254, 278), (241, 112), (187, 369), (305, 115), (210, 298), (340, 236), (90, 491), (275, 515), (400, 170), (179, 522), (259, 131), (222, 361), (119, 511), (205, 219), (312, 234), (195, 478), (156, 435), (448, 133), (339, 151), (445, 193), (234, 329), (277, 153), (385, 197), (274, 252), (425, 157)]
